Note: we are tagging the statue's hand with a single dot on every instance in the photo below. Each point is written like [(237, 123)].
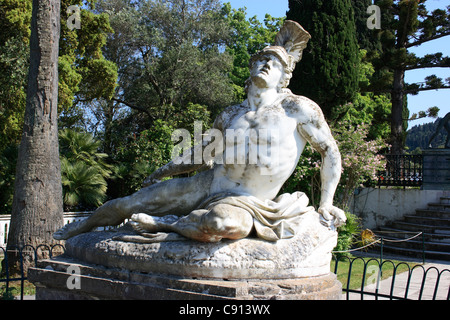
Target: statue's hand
[(149, 181), (332, 214)]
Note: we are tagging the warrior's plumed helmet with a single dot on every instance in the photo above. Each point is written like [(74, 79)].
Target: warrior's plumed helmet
[(289, 44)]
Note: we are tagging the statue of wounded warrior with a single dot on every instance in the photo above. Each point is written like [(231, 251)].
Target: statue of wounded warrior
[(232, 198)]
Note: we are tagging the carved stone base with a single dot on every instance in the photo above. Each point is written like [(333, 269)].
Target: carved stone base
[(54, 281), (251, 268), (306, 255)]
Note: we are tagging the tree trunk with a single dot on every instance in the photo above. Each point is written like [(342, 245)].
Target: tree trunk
[(37, 210), (397, 113)]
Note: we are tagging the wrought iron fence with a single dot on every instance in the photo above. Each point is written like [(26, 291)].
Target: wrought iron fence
[(410, 284), (402, 170), (7, 278), (369, 279)]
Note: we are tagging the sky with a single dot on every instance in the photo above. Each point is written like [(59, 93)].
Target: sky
[(420, 102)]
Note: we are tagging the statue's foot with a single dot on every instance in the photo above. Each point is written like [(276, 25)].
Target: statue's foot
[(68, 231), (142, 222), (151, 237)]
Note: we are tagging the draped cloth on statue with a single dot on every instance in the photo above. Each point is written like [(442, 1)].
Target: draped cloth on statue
[(273, 219)]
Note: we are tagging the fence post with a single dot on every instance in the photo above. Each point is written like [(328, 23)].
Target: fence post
[(423, 247), (381, 251)]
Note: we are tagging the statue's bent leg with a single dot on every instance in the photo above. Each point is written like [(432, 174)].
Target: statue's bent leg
[(176, 196), (223, 221)]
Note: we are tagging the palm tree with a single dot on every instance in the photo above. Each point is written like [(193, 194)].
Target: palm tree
[(82, 146), (84, 170), (82, 185)]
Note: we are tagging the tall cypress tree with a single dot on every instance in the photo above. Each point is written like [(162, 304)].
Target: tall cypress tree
[(367, 38), (328, 72)]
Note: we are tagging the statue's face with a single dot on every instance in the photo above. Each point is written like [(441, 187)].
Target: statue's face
[(267, 72)]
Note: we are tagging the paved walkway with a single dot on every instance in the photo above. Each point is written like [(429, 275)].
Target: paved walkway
[(401, 281)]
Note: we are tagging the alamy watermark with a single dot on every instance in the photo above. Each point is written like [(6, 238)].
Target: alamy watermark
[(374, 21), (258, 147), (74, 19), (375, 275), (73, 282)]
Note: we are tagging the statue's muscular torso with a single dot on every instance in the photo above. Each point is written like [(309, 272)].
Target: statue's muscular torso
[(271, 141)]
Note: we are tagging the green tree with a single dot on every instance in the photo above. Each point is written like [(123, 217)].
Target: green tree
[(14, 63), (328, 72), (172, 55), (8, 161), (83, 186), (140, 156), (407, 24), (172, 70), (368, 108), (367, 39), (83, 72), (82, 146), (84, 170), (248, 36)]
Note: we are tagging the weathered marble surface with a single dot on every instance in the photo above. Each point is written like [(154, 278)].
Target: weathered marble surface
[(100, 283), (306, 255), (269, 131), (225, 205)]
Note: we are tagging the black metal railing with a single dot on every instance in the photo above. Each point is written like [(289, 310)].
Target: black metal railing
[(25, 252), (416, 283), (370, 278), (402, 170)]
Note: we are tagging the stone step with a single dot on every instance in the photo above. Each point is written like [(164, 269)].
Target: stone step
[(401, 234), (406, 226), (433, 221), (426, 220), (445, 199), (440, 206), (416, 253), (433, 213), (417, 244)]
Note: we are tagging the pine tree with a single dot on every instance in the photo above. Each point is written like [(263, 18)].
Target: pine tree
[(407, 24), (328, 72)]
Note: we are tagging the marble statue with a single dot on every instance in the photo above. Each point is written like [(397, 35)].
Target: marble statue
[(443, 123), (232, 199)]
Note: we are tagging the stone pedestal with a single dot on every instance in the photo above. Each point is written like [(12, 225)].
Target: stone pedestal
[(251, 268), (54, 281)]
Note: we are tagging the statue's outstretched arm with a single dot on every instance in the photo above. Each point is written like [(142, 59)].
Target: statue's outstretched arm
[(184, 163), (181, 165), (313, 127)]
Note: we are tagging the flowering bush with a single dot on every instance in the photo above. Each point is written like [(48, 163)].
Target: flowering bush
[(360, 163), (360, 158)]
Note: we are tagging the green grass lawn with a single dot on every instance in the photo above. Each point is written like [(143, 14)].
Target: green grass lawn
[(14, 287), (14, 290), (372, 268)]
